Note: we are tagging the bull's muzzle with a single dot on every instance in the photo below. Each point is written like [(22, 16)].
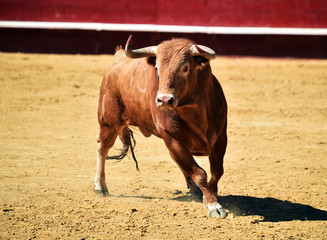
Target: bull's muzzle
[(166, 101)]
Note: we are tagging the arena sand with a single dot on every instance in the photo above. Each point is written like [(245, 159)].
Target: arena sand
[(274, 186)]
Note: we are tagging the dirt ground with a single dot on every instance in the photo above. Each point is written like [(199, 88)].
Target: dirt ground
[(274, 186)]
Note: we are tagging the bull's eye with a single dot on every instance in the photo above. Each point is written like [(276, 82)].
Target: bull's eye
[(157, 69), (185, 69)]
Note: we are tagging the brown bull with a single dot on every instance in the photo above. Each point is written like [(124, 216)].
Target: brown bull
[(168, 91)]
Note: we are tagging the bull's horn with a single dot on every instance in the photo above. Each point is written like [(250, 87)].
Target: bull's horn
[(139, 53), (200, 50)]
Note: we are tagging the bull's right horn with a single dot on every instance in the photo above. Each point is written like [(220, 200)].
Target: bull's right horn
[(200, 50), (139, 53)]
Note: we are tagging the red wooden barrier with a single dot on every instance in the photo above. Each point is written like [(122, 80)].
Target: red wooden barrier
[(236, 13), (237, 27)]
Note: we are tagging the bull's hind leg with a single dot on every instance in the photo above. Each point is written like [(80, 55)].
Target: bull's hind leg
[(106, 140), (216, 159)]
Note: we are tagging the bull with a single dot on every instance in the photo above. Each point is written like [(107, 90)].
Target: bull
[(168, 91)]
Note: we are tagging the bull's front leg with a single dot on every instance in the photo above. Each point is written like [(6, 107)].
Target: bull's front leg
[(216, 159), (194, 189), (184, 159)]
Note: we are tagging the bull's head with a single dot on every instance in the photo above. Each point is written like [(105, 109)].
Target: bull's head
[(177, 63)]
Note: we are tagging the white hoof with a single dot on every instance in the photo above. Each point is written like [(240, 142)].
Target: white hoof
[(216, 211), (101, 189)]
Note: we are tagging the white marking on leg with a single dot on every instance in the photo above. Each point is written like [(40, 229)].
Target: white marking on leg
[(100, 180)]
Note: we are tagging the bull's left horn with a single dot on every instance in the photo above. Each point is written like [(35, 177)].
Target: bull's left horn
[(200, 50), (139, 53)]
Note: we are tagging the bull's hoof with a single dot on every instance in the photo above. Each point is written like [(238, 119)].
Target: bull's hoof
[(216, 211), (102, 191)]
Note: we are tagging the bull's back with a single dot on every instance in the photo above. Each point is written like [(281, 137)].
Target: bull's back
[(127, 74)]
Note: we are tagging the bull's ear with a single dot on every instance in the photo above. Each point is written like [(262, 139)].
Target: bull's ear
[(200, 61), (151, 60)]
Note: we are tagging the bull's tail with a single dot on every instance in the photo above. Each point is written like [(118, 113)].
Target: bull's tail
[(129, 142)]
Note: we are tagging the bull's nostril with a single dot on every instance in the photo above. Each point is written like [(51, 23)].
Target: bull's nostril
[(165, 100)]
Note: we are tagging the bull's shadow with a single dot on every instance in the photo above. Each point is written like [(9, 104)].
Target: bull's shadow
[(271, 209)]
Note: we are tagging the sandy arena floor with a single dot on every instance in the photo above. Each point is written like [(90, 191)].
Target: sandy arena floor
[(275, 182)]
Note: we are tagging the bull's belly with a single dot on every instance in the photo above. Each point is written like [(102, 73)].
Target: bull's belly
[(201, 149), (200, 154)]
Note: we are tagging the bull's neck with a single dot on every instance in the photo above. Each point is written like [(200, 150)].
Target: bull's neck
[(197, 103)]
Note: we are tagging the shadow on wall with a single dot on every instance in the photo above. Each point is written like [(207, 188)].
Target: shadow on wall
[(271, 209)]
